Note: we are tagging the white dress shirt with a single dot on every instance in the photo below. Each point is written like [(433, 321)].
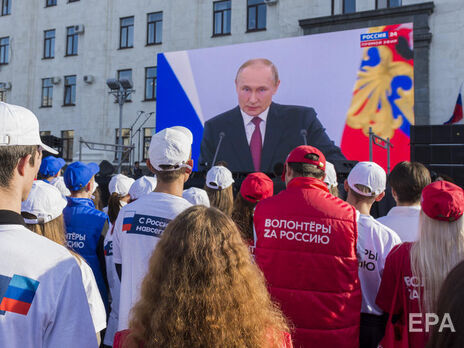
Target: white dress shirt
[(250, 126)]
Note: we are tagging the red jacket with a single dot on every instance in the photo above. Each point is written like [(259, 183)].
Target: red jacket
[(306, 248)]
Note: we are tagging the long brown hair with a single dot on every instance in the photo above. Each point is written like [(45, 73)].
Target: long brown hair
[(114, 206), (242, 214), (53, 230), (203, 290), (221, 199)]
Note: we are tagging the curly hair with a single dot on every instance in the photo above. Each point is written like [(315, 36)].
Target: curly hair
[(203, 290)]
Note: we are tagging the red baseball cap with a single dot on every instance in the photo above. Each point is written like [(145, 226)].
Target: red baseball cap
[(300, 155), (443, 200), (256, 187)]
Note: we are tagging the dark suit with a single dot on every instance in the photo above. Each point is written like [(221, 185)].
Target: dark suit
[(283, 133)]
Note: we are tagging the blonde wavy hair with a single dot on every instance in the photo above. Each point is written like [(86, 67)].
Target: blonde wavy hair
[(440, 247), (203, 290)]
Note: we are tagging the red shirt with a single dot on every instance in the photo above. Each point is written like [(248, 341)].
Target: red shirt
[(398, 269)]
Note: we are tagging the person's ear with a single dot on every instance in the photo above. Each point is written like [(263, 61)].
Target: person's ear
[(345, 186), (380, 197), (88, 187), (150, 166), (276, 87), (22, 164)]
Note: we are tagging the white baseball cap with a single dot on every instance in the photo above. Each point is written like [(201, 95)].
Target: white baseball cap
[(19, 126), (196, 196), (368, 174), (171, 147), (219, 178), (120, 184), (330, 175), (45, 202), (142, 186)]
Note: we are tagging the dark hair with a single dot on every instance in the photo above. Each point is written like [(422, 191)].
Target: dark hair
[(278, 169), (9, 158), (114, 205), (242, 214), (408, 179), (306, 169), (450, 302), (168, 176)]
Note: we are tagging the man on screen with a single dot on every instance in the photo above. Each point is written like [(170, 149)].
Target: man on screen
[(259, 133)]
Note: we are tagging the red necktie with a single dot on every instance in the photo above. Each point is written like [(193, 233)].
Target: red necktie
[(256, 144)]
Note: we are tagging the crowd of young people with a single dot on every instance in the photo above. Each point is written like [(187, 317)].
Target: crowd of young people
[(161, 266)]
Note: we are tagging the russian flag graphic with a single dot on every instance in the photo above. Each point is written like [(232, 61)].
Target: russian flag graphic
[(127, 221), (16, 294)]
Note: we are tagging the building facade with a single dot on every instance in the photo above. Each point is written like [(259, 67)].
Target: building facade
[(56, 55)]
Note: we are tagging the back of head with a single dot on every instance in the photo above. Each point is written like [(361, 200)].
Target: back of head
[(51, 166), (142, 186), (42, 211), (441, 238), (78, 174), (450, 304), (169, 153), (306, 161), (219, 188), (408, 179), (196, 196), (202, 289), (19, 137), (366, 181), (255, 188)]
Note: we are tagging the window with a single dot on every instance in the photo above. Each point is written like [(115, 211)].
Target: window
[(150, 83), (6, 7), (126, 34), (154, 28), (69, 90), (125, 74), (125, 141), (47, 93), (49, 3), (147, 134), (256, 15), (3, 96), (71, 41), (349, 6), (4, 50), (49, 44), (387, 3), (221, 17), (67, 136)]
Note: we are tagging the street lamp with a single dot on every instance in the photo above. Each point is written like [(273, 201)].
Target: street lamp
[(121, 89)]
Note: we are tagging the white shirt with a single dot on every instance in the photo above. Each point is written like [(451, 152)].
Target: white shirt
[(137, 230), (59, 314), (115, 287), (375, 241), (404, 220), (250, 126), (96, 306)]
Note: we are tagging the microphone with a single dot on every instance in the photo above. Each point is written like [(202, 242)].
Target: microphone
[(221, 136), (304, 134)]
